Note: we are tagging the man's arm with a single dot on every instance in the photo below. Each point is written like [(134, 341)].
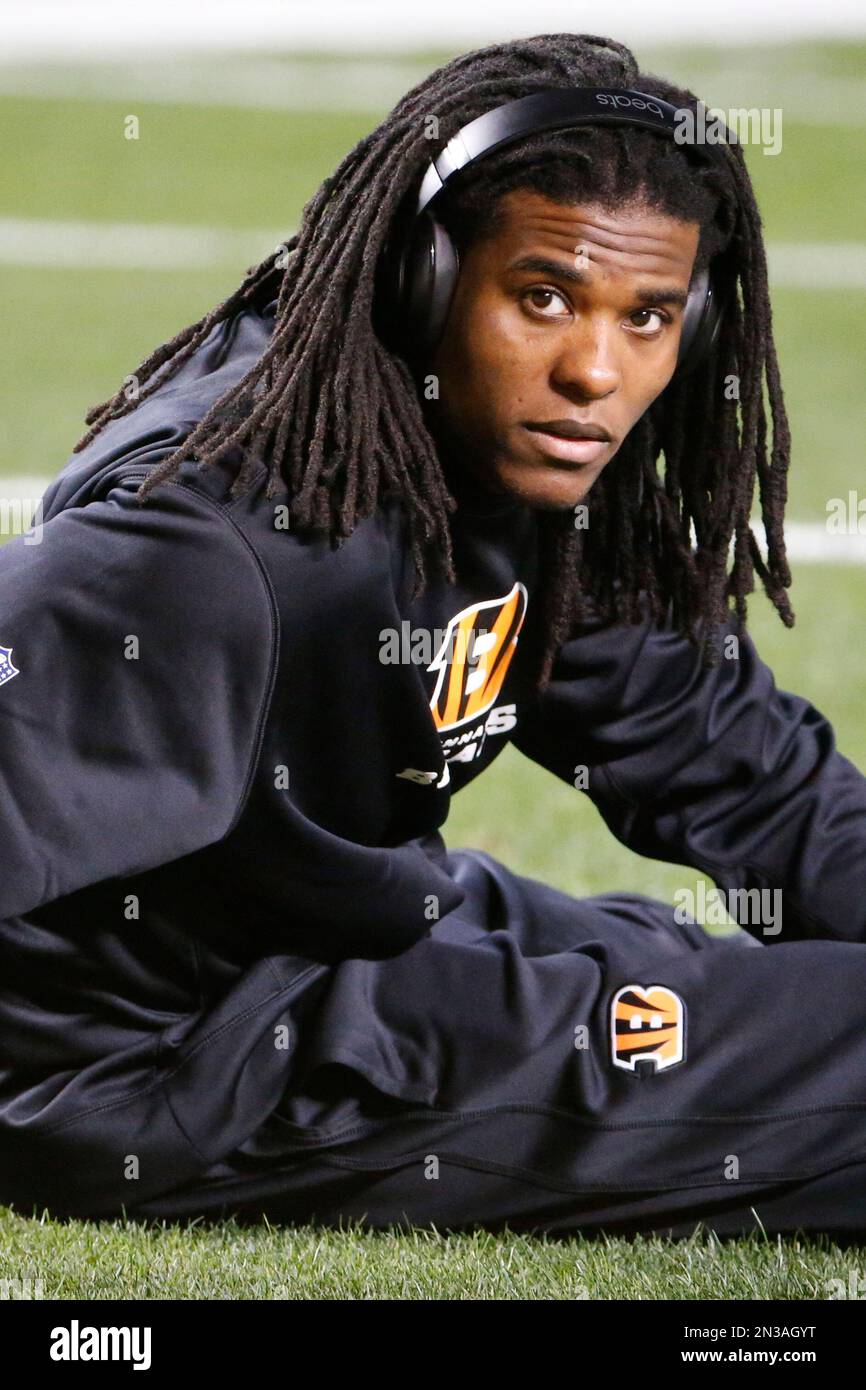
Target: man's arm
[(143, 640), (713, 768)]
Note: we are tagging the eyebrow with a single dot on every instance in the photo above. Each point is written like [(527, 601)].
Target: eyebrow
[(556, 269)]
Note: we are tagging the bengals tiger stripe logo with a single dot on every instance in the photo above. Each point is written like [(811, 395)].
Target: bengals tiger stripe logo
[(472, 664), (647, 1022)]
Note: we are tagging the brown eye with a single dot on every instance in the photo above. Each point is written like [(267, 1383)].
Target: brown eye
[(650, 322), (542, 299)]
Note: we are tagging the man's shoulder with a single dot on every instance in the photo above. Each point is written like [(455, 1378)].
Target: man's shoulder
[(172, 565)]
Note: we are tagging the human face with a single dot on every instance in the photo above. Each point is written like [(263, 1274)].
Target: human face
[(565, 318)]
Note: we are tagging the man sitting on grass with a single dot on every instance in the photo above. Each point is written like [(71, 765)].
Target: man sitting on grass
[(241, 972)]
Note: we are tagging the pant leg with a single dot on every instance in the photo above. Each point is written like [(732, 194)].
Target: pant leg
[(447, 1086), (320, 1191)]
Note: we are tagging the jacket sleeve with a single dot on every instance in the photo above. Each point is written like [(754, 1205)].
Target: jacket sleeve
[(714, 768), (136, 647)]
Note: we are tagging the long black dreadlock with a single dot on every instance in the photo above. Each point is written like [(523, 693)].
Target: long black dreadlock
[(336, 414)]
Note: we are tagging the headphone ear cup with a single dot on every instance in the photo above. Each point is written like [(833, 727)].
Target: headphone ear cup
[(692, 333), (427, 277), (708, 301)]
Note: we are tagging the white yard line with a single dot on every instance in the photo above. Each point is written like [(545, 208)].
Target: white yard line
[(168, 246), (808, 542), (817, 265), (129, 245), (16, 487)]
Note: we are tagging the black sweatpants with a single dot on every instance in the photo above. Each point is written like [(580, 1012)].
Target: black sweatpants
[(558, 1064)]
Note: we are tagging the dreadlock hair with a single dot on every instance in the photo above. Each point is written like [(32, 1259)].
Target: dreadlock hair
[(337, 414)]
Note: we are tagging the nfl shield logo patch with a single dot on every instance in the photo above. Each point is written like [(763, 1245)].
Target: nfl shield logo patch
[(7, 669)]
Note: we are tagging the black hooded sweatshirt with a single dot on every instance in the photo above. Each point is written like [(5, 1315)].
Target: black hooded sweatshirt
[(226, 752)]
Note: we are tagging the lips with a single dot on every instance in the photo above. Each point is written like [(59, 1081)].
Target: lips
[(570, 429), (569, 440)]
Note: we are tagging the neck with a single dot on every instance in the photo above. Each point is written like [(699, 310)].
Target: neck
[(474, 494)]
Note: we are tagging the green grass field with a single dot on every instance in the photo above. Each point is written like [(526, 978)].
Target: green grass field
[(73, 333)]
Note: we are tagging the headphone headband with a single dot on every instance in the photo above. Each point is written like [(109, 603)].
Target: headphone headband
[(553, 110), (420, 262)]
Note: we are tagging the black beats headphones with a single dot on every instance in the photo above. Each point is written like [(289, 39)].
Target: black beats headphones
[(421, 271)]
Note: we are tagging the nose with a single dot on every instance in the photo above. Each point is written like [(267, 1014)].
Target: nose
[(586, 364)]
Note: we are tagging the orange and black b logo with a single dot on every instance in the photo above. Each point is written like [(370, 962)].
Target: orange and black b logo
[(647, 1023)]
